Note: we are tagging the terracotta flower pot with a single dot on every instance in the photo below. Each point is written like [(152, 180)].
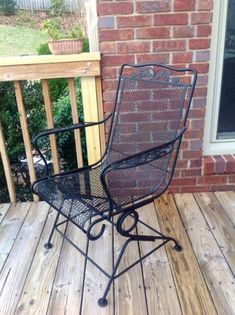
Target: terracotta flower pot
[(66, 46)]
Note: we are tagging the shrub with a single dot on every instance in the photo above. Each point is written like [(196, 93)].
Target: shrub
[(8, 7), (57, 7)]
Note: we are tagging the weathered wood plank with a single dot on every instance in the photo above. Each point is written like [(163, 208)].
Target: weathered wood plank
[(50, 124), (91, 115), (220, 225), (7, 167), (192, 291), (37, 289), (95, 281), (160, 288), (10, 227), (217, 274), (4, 207), (45, 59), (129, 288), (50, 70), (227, 200), (16, 268), (67, 288)]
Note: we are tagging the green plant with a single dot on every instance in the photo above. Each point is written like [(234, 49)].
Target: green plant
[(57, 7), (8, 7), (55, 31), (62, 118)]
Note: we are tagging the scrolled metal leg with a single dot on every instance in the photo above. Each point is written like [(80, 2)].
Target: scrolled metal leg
[(48, 244)]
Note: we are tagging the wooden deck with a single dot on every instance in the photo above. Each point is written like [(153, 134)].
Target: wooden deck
[(198, 280)]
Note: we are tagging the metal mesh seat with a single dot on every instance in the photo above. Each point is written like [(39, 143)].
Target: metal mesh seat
[(145, 133)]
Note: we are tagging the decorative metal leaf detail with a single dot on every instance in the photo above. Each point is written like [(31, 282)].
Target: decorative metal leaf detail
[(159, 75)]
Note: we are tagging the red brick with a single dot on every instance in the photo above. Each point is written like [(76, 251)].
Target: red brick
[(152, 6), (114, 8), (169, 45), (204, 30), (109, 96), (200, 92), (196, 144), (114, 35), (201, 67), (181, 164), (159, 58), (193, 134), (196, 43), (191, 173), (110, 85), (191, 189), (109, 73), (131, 47), (199, 103), (174, 189), (108, 47), (192, 154), (108, 107), (182, 57), (183, 31), (211, 179), (153, 33), (115, 60), (231, 179), (230, 163), (205, 5), (219, 164), (197, 124), (183, 181), (171, 19), (222, 187), (196, 163), (201, 18), (202, 56), (197, 113), (134, 21), (184, 5)]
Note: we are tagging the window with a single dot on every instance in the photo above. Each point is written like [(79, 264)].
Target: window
[(220, 116)]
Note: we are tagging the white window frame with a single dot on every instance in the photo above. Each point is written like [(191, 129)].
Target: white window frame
[(213, 146)]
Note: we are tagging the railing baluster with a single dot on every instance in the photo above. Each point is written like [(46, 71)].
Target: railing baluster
[(100, 113), (25, 133), (89, 97), (6, 167), (50, 124), (75, 115)]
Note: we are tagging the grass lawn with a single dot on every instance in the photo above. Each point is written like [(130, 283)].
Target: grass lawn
[(20, 40)]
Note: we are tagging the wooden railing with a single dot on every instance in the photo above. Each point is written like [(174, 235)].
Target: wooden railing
[(87, 67)]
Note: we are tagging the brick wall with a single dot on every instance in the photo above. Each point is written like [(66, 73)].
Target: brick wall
[(175, 32)]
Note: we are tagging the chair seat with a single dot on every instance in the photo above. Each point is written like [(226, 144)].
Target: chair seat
[(79, 196)]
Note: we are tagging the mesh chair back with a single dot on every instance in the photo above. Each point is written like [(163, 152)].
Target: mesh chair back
[(151, 106)]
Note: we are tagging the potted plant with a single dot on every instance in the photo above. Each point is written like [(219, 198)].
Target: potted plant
[(64, 42)]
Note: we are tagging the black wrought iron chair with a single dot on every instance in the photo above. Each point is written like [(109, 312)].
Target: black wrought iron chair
[(146, 129)]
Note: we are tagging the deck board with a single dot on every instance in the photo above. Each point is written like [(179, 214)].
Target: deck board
[(198, 280)]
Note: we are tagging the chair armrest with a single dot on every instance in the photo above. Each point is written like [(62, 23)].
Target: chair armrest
[(144, 156), (54, 131)]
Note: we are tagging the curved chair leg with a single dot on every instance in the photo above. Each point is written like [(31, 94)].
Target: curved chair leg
[(48, 244)]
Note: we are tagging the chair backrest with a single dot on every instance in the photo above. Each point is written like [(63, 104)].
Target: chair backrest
[(152, 105)]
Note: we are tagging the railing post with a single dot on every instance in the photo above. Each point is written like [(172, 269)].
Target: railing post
[(6, 167), (89, 97), (25, 133), (50, 124), (75, 115)]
